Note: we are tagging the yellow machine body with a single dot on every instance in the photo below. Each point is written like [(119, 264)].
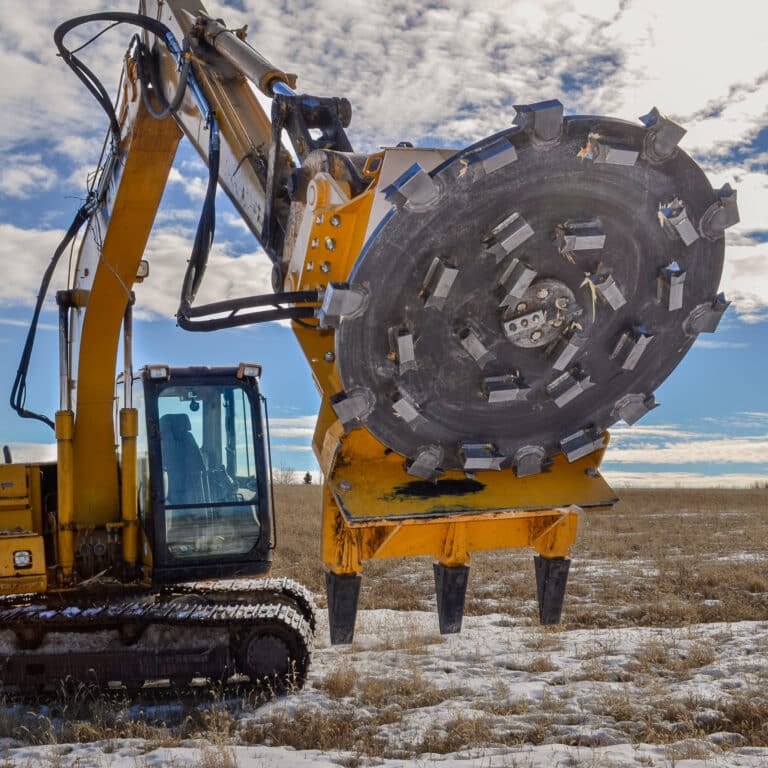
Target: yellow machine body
[(21, 513)]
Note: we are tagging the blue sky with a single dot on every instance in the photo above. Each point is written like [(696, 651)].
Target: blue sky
[(444, 73)]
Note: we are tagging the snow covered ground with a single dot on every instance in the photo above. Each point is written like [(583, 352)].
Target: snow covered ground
[(500, 694)]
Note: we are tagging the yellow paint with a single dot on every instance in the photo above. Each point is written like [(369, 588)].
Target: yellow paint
[(369, 514), (381, 490), (65, 494), (148, 153), (129, 430), (16, 497), (450, 541)]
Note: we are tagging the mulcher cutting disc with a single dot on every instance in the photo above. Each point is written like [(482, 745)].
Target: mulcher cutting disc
[(531, 291)]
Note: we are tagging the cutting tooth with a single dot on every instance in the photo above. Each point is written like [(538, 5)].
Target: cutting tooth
[(567, 387), (408, 411), (543, 121), (510, 234), (630, 347), (437, 284), (529, 460), (669, 286), (565, 349), (426, 463), (403, 343), (515, 281), (631, 408), (480, 456), (579, 236), (674, 220), (415, 187), (493, 156), (600, 152), (582, 443), (723, 213), (341, 300), (352, 407), (661, 138), (505, 389), (472, 344), (606, 287), (706, 317)]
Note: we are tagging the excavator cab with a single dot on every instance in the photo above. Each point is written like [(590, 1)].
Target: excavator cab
[(202, 464)]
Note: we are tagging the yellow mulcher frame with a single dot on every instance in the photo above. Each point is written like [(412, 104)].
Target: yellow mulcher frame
[(368, 511)]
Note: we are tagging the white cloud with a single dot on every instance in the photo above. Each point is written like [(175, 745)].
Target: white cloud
[(745, 280), (755, 414), (622, 432), (28, 452), (25, 324), (293, 426), (21, 275), (619, 479), (703, 450), (710, 344), (291, 432), (45, 99), (194, 186), (294, 421), (23, 176), (227, 276), (670, 444)]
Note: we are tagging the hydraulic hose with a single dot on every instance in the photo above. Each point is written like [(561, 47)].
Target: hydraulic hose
[(19, 390)]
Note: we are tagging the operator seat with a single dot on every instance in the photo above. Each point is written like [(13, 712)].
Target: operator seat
[(182, 460)]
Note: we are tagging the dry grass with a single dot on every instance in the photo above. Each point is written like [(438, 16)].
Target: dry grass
[(337, 728), (459, 733), (409, 691), (339, 682)]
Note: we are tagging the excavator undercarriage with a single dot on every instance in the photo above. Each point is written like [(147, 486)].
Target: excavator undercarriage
[(256, 632)]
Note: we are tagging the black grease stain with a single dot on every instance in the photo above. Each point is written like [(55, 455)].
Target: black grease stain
[(423, 489)]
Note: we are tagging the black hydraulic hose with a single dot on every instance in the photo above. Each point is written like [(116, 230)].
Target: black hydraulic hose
[(146, 68), (86, 76), (19, 390), (206, 228)]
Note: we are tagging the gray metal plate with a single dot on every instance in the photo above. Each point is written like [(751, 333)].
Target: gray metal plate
[(549, 185)]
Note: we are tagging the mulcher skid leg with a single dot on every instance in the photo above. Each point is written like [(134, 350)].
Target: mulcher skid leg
[(450, 590), (551, 580), (343, 592)]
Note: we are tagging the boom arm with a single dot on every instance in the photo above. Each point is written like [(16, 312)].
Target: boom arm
[(127, 193)]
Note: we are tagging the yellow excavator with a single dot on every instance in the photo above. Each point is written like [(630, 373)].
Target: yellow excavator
[(473, 319)]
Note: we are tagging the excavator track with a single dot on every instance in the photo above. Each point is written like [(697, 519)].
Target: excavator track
[(195, 631), (279, 590)]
